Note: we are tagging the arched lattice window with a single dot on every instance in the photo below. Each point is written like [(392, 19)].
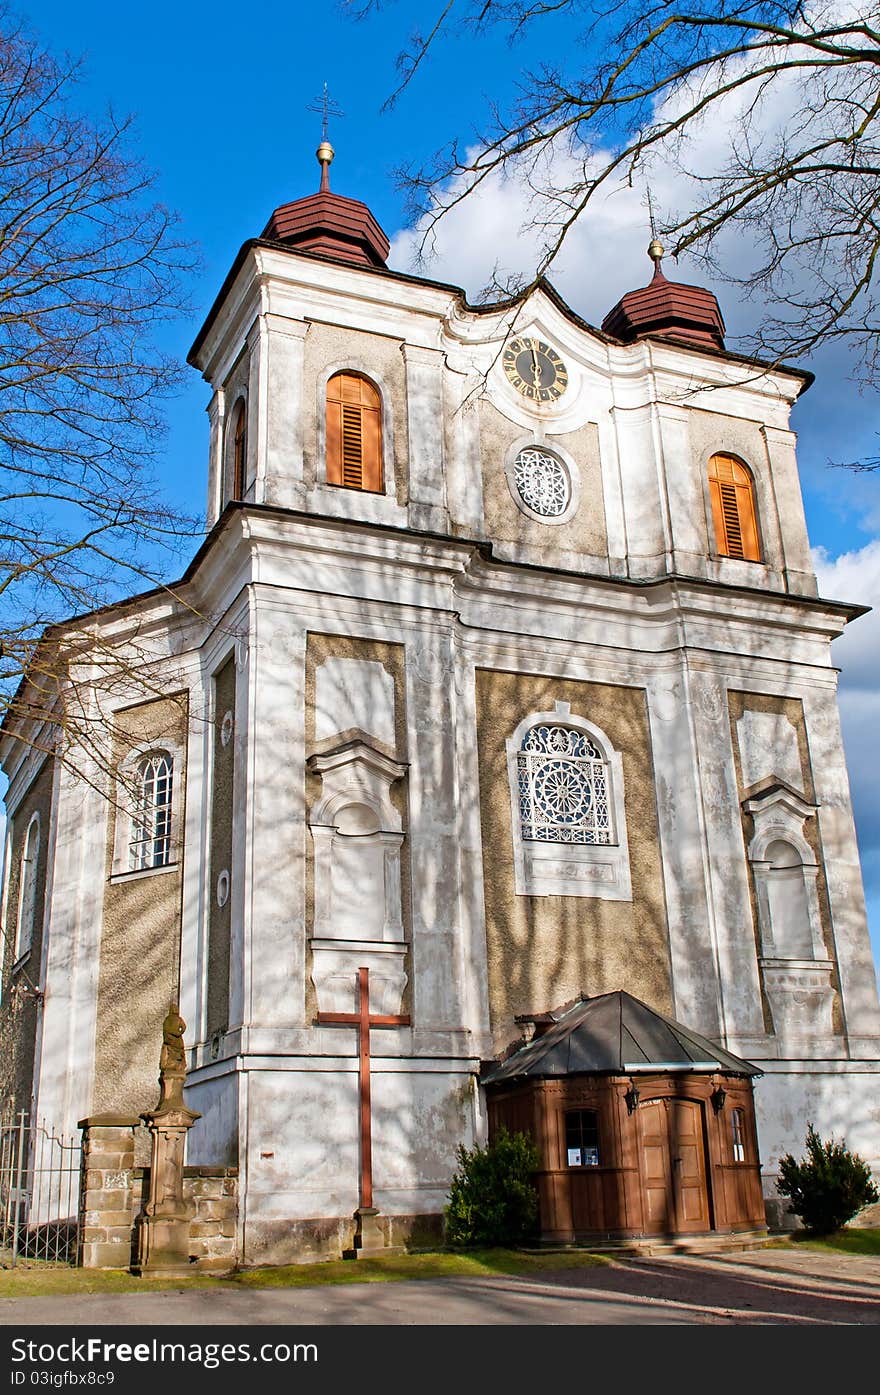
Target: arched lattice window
[(150, 844), (562, 780), (27, 889), (567, 808), (733, 509), (354, 433), (239, 451)]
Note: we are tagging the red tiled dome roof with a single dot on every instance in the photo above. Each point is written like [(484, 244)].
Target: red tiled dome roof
[(668, 308), (330, 223)]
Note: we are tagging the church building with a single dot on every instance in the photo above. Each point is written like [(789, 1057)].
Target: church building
[(498, 706)]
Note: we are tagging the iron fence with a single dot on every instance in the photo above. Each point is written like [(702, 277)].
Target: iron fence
[(39, 1191)]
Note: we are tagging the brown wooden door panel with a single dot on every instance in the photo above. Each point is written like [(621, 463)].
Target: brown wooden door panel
[(655, 1167), (688, 1172), (672, 1164)]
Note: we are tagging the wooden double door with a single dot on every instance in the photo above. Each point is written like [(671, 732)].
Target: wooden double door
[(672, 1163)]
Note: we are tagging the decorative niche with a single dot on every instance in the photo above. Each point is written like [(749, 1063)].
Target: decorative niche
[(797, 974), (357, 835)]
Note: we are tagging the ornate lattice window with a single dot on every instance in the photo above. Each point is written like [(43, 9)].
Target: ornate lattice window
[(542, 482), (150, 844), (568, 815), (563, 787)]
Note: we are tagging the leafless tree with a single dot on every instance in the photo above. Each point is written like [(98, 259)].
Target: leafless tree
[(90, 265), (790, 93)]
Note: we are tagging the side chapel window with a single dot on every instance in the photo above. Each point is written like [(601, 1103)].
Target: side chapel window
[(738, 1137), (582, 1138), (354, 433), (733, 509), (27, 889), (150, 844), (239, 451), (563, 787)]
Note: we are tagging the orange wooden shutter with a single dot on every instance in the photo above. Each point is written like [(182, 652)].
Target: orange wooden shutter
[(354, 433), (733, 509)]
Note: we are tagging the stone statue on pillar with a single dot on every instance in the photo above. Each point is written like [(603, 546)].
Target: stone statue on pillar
[(163, 1227)]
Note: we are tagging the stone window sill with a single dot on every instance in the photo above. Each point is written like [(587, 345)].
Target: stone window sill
[(141, 872)]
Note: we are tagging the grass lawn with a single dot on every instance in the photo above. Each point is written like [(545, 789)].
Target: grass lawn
[(32, 1280), (844, 1242)]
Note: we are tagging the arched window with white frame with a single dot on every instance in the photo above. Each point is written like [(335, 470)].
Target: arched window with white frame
[(562, 780), (568, 819), (27, 889), (150, 840)]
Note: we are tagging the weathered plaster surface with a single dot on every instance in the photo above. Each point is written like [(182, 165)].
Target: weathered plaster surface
[(504, 522), (322, 648), (19, 1007), (140, 941), (791, 709), (328, 345), (545, 950), (222, 809)]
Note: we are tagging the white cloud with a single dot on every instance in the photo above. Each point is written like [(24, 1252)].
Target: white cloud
[(855, 576)]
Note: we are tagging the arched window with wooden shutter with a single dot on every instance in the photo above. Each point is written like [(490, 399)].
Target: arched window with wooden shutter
[(239, 451), (733, 509), (354, 433)]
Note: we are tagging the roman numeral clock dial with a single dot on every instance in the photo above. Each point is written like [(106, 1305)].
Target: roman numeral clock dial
[(535, 369)]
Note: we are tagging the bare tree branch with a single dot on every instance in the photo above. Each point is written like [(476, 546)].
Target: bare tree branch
[(792, 92), (90, 266)]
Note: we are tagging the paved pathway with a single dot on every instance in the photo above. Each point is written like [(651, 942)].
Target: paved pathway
[(760, 1287)]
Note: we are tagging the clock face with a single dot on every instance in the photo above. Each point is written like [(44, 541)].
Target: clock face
[(535, 369)]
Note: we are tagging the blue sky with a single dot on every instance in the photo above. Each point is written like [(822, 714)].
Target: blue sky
[(221, 96)]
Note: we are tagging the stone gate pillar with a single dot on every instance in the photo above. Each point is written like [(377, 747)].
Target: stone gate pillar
[(106, 1191)]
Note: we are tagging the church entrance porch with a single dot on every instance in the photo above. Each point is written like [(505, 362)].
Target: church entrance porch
[(631, 1146)]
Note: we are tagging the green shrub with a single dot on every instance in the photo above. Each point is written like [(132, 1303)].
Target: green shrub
[(492, 1198), (827, 1187)]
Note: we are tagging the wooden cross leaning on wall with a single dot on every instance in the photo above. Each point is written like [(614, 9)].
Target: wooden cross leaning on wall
[(364, 1021)]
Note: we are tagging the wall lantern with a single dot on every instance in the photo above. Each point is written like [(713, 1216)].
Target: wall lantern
[(632, 1099), (718, 1096)]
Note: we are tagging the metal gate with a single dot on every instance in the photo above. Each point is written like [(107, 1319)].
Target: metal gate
[(39, 1192)]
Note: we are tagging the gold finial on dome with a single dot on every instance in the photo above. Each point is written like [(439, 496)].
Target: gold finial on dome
[(324, 155), (655, 246)]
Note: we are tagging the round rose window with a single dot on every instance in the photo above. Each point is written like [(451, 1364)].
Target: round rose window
[(542, 482)]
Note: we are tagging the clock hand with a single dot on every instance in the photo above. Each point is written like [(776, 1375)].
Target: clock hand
[(536, 370)]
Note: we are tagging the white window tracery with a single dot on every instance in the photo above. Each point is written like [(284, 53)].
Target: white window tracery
[(542, 482), (567, 809), (150, 842), (563, 787)]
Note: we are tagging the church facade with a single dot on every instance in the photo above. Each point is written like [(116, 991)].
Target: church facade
[(501, 674)]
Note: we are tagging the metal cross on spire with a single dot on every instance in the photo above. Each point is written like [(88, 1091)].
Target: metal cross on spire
[(327, 108), (655, 247)]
